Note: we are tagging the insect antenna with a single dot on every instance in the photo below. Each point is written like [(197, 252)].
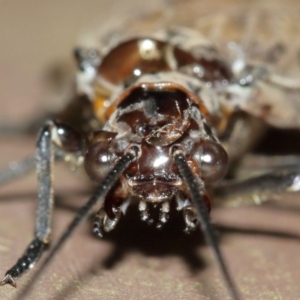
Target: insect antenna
[(99, 194), (204, 218)]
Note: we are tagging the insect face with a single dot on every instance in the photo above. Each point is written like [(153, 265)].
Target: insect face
[(157, 118)]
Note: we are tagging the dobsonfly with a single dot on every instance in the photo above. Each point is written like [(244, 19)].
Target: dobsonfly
[(159, 114)]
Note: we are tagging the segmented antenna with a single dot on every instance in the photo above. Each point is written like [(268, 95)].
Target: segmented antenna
[(204, 219), (102, 190)]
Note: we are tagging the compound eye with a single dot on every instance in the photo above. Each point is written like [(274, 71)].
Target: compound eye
[(212, 160), (97, 161), (98, 158)]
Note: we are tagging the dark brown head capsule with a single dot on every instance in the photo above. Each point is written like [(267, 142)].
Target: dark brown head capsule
[(155, 117)]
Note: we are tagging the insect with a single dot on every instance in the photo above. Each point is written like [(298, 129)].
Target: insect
[(237, 90)]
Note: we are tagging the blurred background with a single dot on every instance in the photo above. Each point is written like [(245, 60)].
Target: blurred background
[(37, 35)]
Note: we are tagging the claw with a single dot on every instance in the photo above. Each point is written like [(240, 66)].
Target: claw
[(8, 279)]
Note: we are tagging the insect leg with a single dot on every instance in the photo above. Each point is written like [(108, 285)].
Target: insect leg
[(100, 193), (19, 169), (195, 188), (44, 164), (258, 189)]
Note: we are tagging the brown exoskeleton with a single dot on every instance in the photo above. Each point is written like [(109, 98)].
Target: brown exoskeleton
[(171, 114)]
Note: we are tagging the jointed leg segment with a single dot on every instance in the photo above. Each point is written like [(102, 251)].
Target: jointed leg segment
[(258, 189), (44, 159)]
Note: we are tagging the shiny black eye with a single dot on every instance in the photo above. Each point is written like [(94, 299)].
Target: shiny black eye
[(212, 160)]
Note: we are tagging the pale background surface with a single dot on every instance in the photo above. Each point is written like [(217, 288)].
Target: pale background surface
[(135, 261)]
